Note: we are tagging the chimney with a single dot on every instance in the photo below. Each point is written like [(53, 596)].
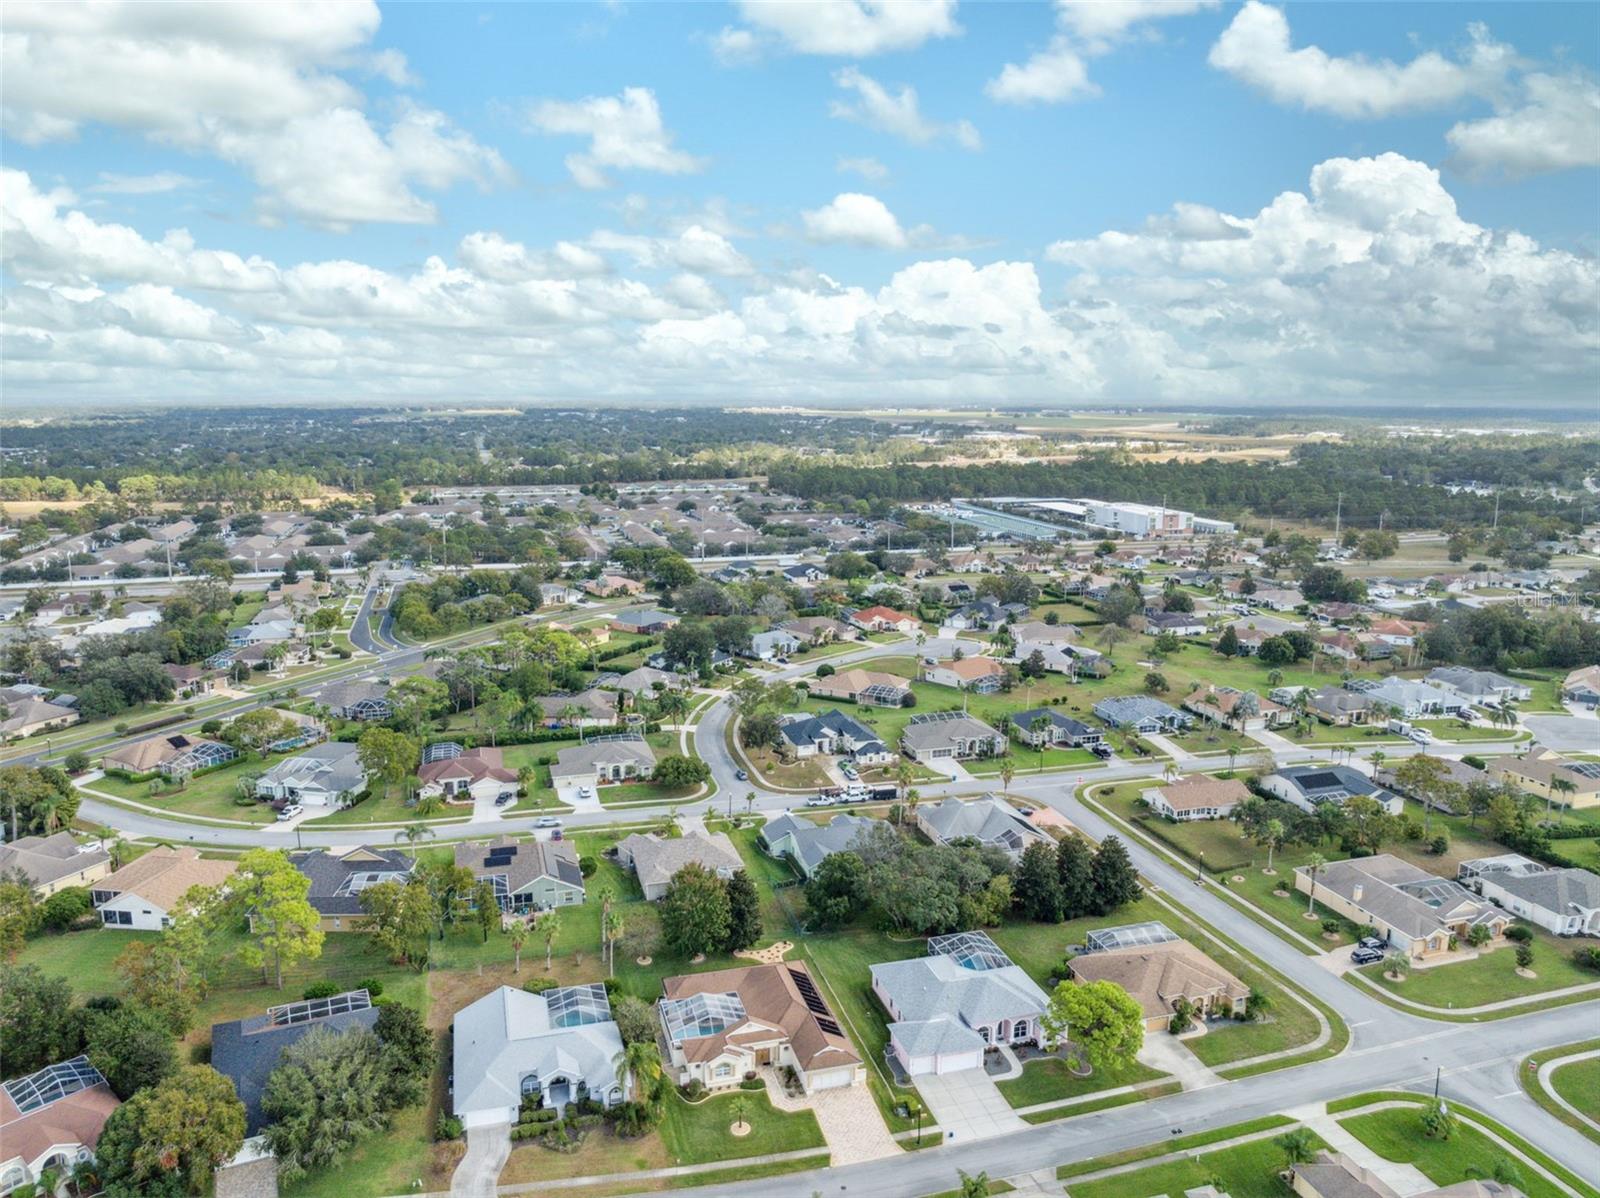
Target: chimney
[(1355, 893)]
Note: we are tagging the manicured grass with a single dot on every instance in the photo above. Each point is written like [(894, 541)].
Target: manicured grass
[(1243, 1171), (1455, 730), (1051, 1114), (1199, 1139), (698, 1132), (712, 1177), (1026, 760), (1398, 1135), (1579, 1084), (622, 794), (1318, 733), (769, 874), (209, 795), (382, 806), (805, 773), (1049, 1080), (1209, 738), (1218, 843), (1528, 1077), (1489, 977)]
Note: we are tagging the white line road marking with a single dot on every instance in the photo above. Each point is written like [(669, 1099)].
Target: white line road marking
[(1508, 1094)]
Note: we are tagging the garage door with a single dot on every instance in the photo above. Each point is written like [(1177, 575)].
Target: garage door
[(831, 1079), (953, 1062)]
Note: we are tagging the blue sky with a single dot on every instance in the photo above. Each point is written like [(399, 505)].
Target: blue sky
[(741, 203)]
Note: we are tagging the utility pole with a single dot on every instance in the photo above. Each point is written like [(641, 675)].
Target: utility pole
[(1338, 516), (1497, 509)]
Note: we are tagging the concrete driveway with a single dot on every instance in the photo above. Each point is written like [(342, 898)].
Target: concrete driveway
[(479, 1171), (967, 1106)]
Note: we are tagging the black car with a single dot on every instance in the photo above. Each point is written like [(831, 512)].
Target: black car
[(1101, 750), (741, 775), (1366, 956), (1373, 942)]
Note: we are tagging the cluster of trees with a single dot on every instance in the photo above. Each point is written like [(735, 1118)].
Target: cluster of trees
[(1503, 636), (702, 913), (438, 896), (1329, 584), (428, 610), (916, 888)]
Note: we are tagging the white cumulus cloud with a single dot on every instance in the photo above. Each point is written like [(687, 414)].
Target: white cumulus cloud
[(855, 219), (1554, 126), (625, 133), (897, 113), (844, 28)]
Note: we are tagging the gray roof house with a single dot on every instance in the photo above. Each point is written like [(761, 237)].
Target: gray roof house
[(1306, 786), (1415, 912), (357, 700), (1563, 901), (338, 877), (947, 734), (655, 859), (53, 862), (775, 642), (809, 844), (603, 759), (832, 732), (1338, 706), (562, 1045), (1141, 713), (947, 1008), (988, 821), (1478, 686), (1060, 729), (599, 706), (527, 875), (325, 775), (247, 1050), (1412, 698)]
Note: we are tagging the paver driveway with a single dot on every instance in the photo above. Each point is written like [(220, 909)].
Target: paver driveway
[(967, 1105), (848, 1117)]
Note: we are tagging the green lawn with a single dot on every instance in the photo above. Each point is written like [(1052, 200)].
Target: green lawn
[(210, 795), (1210, 738), (1243, 1171), (696, 1133), (1318, 733), (1455, 730), (1579, 1084), (383, 806), (1049, 1079), (388, 1162), (1219, 840), (768, 874), (1490, 977), (1027, 761), (1398, 1135)]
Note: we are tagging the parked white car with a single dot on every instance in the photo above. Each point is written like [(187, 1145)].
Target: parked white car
[(289, 812)]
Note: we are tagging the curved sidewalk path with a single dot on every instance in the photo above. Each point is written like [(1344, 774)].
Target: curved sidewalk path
[(1549, 1067)]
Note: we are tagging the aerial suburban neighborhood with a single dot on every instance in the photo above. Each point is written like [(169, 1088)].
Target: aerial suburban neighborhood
[(758, 599)]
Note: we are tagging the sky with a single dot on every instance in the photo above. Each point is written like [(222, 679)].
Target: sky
[(843, 202)]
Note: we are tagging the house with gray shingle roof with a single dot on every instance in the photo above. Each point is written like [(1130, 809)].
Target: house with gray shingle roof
[(1563, 901), (988, 821), (339, 876), (603, 759), (655, 859), (807, 844), (1141, 713), (1415, 912), (527, 875)]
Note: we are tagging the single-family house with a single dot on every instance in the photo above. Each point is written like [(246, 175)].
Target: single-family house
[(54, 862), (1340, 707), (623, 757), (1414, 912), (648, 620), (832, 733), (1309, 786), (1177, 623), (820, 630), (656, 859), (1197, 796), (719, 1025), (527, 875), (608, 585), (884, 619), (1412, 699), (1141, 714), (1276, 598), (1582, 686), (1448, 770), (1058, 730), (989, 821), (50, 1120), (808, 844), (1159, 976), (805, 572), (357, 700), (591, 707), (1400, 633), (1479, 686), (560, 1047), (870, 688), (338, 876), (1039, 632), (175, 756), (325, 775), (1565, 901), (982, 675), (943, 735), (647, 680), (246, 1051), (190, 681), (774, 643), (143, 893), (556, 594), (1233, 708), (1550, 776), (948, 1008), (472, 775), (24, 715)]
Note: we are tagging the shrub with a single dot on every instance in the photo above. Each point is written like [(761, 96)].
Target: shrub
[(539, 985), (752, 1083), (64, 908), (447, 1128), (372, 986), (1519, 933), (322, 990), (587, 866), (77, 761), (824, 670), (1474, 761), (1587, 958), (695, 1090), (1524, 955), (1440, 845), (1330, 925)]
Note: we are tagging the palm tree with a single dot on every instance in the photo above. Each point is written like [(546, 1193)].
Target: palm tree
[(741, 1108), (1378, 758), (1564, 787), (611, 931), (607, 896), (1233, 755), (519, 937), (412, 833), (750, 802), (1169, 771), (549, 926), (640, 1062), (904, 775), (1008, 771), (913, 797), (1299, 1145), (1313, 863), (1273, 835), (1038, 726), (572, 716)]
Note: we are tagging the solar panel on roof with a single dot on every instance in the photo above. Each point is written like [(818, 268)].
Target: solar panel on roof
[(1324, 780), (830, 1027)]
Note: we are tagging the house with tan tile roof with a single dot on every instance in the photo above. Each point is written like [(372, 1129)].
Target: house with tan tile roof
[(1157, 976), (721, 1024), (884, 619), (142, 894), (1197, 797), (982, 675), (51, 1119)]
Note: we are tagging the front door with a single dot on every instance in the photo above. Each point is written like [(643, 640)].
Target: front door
[(763, 1056)]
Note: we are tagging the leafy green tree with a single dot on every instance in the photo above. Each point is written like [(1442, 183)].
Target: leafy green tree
[(1115, 880), (695, 912), (169, 1138), (1101, 1018), (39, 1025), (744, 913), (1036, 888), (399, 915), (485, 908), (325, 1096), (837, 890), (284, 928), (132, 1047), (634, 1019), (1075, 876), (676, 770), (19, 916), (387, 755)]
